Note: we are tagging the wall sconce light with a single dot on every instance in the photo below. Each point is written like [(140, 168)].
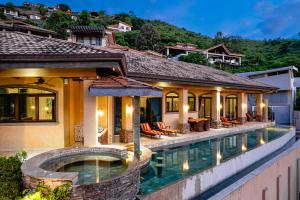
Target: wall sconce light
[(243, 105), (32, 107), (186, 108), (66, 81), (100, 113), (262, 105), (129, 109), (219, 156), (244, 148), (220, 106), (46, 108), (185, 166), (262, 141)]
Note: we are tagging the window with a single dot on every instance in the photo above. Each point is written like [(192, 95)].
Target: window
[(191, 102), (172, 101), (205, 106), (24, 104)]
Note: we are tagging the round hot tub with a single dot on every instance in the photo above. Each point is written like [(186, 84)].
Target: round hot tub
[(95, 173)]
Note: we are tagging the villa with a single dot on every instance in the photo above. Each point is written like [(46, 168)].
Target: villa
[(218, 54), (61, 94)]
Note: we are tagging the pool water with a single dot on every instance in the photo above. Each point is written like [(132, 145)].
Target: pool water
[(171, 164), (91, 168)]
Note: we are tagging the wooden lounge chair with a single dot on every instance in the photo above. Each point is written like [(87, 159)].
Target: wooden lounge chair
[(250, 117), (146, 129), (225, 122), (166, 129)]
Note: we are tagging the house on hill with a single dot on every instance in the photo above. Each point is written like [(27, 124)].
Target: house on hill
[(120, 27), (16, 25), (218, 54), (90, 35)]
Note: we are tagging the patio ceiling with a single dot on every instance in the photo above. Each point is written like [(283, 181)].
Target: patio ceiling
[(122, 86)]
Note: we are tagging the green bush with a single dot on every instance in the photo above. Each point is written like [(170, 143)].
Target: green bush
[(44, 192), (11, 176)]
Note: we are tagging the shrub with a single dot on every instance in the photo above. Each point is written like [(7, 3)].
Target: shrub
[(44, 192), (11, 176)]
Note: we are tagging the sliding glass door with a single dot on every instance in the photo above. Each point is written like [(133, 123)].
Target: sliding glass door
[(231, 107), (205, 106), (151, 110)]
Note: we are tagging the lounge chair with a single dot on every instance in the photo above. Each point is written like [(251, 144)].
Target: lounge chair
[(146, 129), (250, 117), (166, 129), (225, 122)]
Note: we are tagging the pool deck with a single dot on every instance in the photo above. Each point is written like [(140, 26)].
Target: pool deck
[(164, 141), (167, 141)]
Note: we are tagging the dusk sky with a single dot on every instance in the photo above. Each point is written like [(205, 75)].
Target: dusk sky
[(256, 19)]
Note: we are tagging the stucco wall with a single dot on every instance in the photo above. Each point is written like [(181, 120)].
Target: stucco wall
[(16, 136), (265, 178)]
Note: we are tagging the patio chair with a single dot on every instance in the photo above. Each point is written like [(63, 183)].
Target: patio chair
[(166, 129), (146, 129), (225, 122), (250, 117)]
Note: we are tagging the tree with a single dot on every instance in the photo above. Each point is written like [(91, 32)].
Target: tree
[(10, 5), (148, 39), (195, 58), (58, 22), (2, 15), (84, 18), (64, 7), (43, 11)]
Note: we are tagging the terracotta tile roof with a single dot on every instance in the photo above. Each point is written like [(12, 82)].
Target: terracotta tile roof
[(16, 43), (15, 25), (144, 67), (122, 86), (87, 29)]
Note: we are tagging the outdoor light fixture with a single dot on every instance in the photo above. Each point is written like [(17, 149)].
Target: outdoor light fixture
[(32, 107), (244, 148), (129, 109), (100, 113), (243, 105), (66, 81), (186, 108), (185, 166), (262, 141), (46, 108), (262, 105)]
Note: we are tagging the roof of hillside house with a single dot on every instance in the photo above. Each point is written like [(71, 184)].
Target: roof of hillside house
[(247, 74), (117, 25), (225, 48), (21, 47), (145, 67), (87, 29), (17, 25)]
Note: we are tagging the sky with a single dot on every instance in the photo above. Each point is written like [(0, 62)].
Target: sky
[(253, 19)]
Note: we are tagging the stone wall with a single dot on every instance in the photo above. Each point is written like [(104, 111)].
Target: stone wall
[(122, 188)]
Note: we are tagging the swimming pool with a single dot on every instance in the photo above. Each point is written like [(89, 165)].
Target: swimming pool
[(172, 164)]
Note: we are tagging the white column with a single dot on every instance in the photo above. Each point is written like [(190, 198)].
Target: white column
[(259, 107), (90, 118), (242, 107), (183, 111), (265, 109), (216, 106), (168, 51)]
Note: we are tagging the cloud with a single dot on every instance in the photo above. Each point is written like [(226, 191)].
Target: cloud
[(278, 20)]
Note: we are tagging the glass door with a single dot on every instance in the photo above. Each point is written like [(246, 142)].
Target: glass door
[(231, 107), (205, 106), (151, 110), (118, 115)]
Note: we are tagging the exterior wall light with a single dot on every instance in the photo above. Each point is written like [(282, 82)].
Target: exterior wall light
[(100, 113), (185, 166), (262, 105), (129, 109)]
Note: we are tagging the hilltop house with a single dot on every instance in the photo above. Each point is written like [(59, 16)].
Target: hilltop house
[(90, 35), (16, 25), (218, 54), (120, 27)]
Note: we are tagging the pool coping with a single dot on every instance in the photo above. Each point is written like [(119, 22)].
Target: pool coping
[(182, 182), (197, 137)]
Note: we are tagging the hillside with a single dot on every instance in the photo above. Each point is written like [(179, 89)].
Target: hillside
[(259, 54)]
